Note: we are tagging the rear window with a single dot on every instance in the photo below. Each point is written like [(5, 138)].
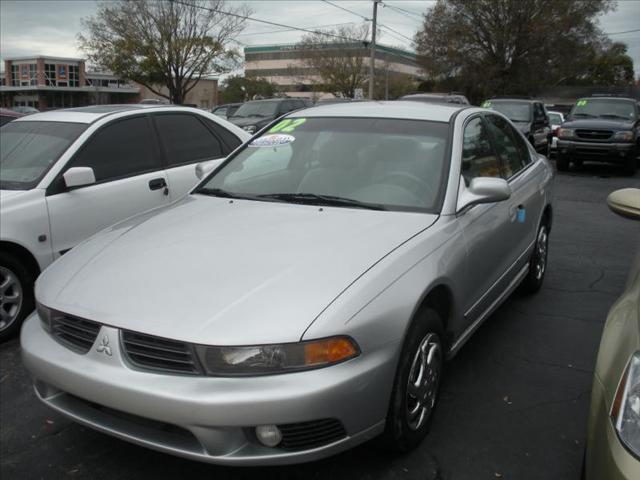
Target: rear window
[(29, 149)]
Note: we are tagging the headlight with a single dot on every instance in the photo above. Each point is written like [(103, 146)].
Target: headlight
[(46, 316), (625, 411), (250, 128), (625, 136), (276, 358), (565, 132)]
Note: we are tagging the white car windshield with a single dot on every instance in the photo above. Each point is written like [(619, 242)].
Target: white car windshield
[(385, 164), (28, 149)]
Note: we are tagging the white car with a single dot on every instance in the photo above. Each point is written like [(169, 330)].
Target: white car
[(555, 119), (67, 174)]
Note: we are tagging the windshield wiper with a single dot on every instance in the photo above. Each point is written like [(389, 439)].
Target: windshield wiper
[(327, 200), (583, 115), (219, 192), (612, 115)]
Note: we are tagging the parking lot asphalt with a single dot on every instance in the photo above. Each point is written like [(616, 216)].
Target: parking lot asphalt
[(513, 404)]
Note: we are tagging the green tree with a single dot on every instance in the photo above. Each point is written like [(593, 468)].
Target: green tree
[(489, 47), (240, 89), (163, 43), (611, 66)]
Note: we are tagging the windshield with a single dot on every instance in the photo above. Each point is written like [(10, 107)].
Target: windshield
[(257, 109), (603, 108), (514, 111), (28, 149), (384, 164), (555, 118)]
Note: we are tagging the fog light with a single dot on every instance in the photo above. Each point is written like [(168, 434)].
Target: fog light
[(269, 435)]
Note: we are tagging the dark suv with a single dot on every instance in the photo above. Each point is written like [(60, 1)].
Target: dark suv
[(530, 116), (602, 129), (254, 115)]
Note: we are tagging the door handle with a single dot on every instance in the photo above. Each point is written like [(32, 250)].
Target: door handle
[(158, 183)]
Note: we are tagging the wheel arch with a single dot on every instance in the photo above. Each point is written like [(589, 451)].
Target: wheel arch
[(440, 298), (22, 254)]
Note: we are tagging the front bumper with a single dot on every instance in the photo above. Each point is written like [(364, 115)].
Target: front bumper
[(208, 418), (608, 152), (606, 457)]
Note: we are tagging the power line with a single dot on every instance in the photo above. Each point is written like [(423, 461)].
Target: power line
[(395, 31), (403, 10), (347, 10), (620, 33), (293, 29)]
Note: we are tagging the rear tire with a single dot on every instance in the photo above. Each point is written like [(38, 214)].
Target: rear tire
[(631, 163), (562, 162), (16, 295), (415, 389), (538, 261)]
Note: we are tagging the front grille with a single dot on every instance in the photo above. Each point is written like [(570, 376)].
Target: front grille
[(306, 435), (594, 134), (160, 354), (75, 333)]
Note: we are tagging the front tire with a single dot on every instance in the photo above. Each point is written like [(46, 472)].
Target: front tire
[(416, 385), (538, 261), (16, 295)]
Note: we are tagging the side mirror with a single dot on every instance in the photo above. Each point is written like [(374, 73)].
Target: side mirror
[(203, 169), (625, 202), (79, 176), (483, 190)]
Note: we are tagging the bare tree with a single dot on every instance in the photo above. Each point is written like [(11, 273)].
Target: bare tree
[(163, 43), (340, 60)]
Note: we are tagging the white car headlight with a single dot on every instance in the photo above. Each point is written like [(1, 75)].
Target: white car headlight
[(625, 411), (565, 132), (625, 136), (276, 358), (250, 128)]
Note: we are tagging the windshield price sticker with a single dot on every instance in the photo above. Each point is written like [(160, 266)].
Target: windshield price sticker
[(581, 103), (486, 104), (287, 125), (274, 140)]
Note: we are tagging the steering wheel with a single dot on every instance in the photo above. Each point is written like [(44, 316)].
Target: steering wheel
[(410, 182)]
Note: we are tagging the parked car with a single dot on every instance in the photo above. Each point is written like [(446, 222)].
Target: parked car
[(555, 119), (227, 110), (330, 101), (456, 98), (303, 298), (613, 438), (529, 115), (154, 101), (602, 129), (256, 114), (66, 174), (7, 115), (26, 110)]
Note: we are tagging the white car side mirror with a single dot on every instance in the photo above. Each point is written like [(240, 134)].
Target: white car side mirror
[(204, 168), (79, 176), (625, 202), (483, 190)]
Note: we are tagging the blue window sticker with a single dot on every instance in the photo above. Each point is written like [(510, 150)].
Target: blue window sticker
[(522, 215), (272, 140)]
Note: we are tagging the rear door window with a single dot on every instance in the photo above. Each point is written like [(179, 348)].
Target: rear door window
[(513, 152), (478, 156), (186, 139)]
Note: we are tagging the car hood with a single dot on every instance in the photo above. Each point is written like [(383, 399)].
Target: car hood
[(243, 122), (214, 271), (9, 198), (599, 124)]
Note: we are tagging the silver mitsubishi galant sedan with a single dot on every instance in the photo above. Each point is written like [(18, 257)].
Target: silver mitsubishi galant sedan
[(303, 297)]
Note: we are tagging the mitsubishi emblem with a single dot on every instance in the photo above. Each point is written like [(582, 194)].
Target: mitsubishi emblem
[(104, 346)]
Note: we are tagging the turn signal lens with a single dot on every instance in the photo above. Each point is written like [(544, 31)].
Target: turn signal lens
[(331, 350), (625, 411)]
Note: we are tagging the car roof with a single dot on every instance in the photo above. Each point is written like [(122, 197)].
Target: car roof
[(90, 114), (604, 97), (405, 109)]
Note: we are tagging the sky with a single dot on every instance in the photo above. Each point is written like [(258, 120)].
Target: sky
[(49, 27)]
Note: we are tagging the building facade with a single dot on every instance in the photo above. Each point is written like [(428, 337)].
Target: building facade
[(48, 83), (285, 65)]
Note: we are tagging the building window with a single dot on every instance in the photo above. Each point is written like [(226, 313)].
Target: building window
[(33, 74), (73, 76), (50, 75), (15, 75)]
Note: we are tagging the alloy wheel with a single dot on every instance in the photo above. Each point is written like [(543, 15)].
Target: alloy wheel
[(541, 252), (422, 385), (10, 298)]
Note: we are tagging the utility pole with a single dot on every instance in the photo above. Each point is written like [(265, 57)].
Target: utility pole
[(372, 65)]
